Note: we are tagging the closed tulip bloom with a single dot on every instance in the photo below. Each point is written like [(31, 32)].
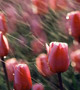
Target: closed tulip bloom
[(42, 65), (4, 47), (10, 66), (75, 60), (3, 26), (58, 57), (22, 77), (38, 86), (74, 24), (40, 6)]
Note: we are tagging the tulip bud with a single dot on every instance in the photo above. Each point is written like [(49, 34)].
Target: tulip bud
[(10, 65), (3, 26), (4, 47), (74, 22), (75, 60), (42, 65), (22, 77), (38, 86), (58, 57), (40, 6)]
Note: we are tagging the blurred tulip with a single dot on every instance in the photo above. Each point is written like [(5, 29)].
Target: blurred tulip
[(58, 4), (10, 65), (78, 1), (4, 47), (22, 41), (3, 26), (75, 60), (74, 46), (36, 27), (40, 6), (22, 77), (74, 24), (42, 65), (38, 86), (25, 17), (37, 46), (11, 14), (12, 18), (58, 57)]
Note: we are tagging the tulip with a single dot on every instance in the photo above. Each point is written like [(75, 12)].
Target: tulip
[(78, 1), (4, 47), (40, 6), (42, 65), (38, 86), (57, 4), (36, 26), (73, 19), (22, 77), (37, 46), (10, 66), (75, 60), (48, 48), (58, 57), (3, 26), (11, 17)]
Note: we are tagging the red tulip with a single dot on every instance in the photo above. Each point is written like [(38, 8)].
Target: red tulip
[(4, 47), (42, 65), (3, 26), (74, 22), (38, 86), (22, 77), (58, 57), (40, 6), (78, 1), (57, 4), (75, 58), (10, 65)]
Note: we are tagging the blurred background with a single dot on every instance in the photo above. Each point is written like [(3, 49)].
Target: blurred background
[(31, 24)]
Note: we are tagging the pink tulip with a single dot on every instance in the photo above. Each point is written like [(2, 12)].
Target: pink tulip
[(58, 4), (10, 65), (38, 86), (11, 14), (22, 77), (37, 46), (75, 60), (42, 65), (58, 57), (74, 24)]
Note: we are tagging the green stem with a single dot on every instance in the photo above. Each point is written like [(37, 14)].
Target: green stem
[(60, 81)]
